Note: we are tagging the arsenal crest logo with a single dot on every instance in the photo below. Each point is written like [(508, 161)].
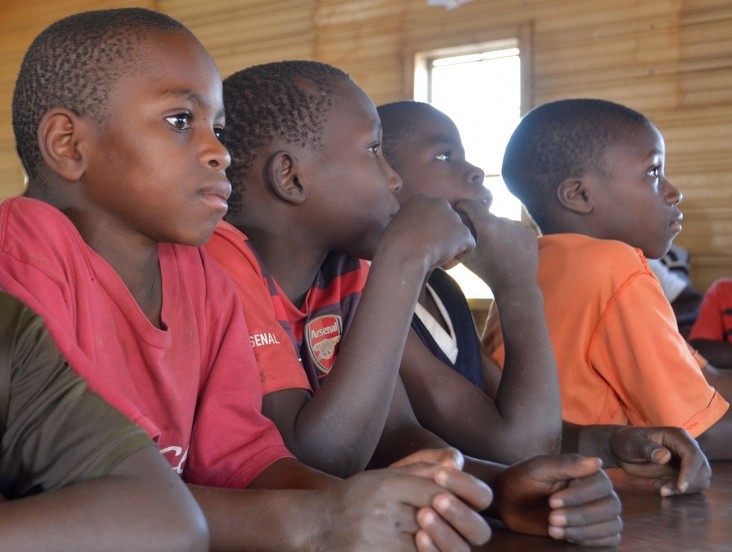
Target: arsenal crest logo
[(323, 335)]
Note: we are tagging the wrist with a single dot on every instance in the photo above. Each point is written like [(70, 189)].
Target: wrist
[(596, 441), (411, 263)]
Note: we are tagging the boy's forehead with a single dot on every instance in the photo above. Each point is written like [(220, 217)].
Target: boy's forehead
[(433, 131), (175, 64), (350, 100), (640, 139)]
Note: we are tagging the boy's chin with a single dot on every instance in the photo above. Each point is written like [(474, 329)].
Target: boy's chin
[(656, 252), (199, 239)]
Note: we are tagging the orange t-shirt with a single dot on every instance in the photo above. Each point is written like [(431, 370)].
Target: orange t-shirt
[(620, 357)]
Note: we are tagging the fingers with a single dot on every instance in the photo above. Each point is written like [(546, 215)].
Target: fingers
[(424, 542), (606, 533), (583, 490), (663, 453), (694, 472), (451, 525), (591, 523), (452, 522), (469, 489), (564, 466), (471, 211), (468, 523), (694, 476), (447, 457)]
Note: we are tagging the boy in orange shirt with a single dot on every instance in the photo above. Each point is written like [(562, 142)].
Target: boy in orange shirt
[(591, 175)]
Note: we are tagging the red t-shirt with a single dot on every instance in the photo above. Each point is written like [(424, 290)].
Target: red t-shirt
[(192, 385), (715, 313)]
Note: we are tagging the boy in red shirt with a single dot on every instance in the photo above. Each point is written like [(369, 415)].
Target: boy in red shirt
[(117, 116), (712, 331)]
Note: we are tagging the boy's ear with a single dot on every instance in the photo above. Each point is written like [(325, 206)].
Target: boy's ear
[(58, 140), (573, 194), (283, 177)]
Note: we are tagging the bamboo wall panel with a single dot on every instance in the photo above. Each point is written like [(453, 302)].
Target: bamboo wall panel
[(20, 22), (671, 59)]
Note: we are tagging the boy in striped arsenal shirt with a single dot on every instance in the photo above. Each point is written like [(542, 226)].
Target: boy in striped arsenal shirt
[(311, 196)]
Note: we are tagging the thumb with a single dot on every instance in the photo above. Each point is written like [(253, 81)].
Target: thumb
[(570, 466), (642, 449), (446, 457), (653, 452)]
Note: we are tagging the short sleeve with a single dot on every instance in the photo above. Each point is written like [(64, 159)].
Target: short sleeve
[(638, 350), (56, 431)]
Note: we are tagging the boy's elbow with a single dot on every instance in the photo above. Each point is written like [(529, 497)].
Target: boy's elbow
[(341, 464), (193, 533), (527, 444)]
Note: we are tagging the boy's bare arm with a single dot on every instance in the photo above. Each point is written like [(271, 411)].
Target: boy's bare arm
[(141, 505), (721, 380), (440, 396), (718, 353), (338, 428), (374, 510), (716, 442), (527, 402)]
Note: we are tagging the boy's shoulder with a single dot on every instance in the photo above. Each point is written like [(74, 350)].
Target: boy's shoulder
[(578, 261), (30, 227), (26, 209), (232, 250), (580, 248)]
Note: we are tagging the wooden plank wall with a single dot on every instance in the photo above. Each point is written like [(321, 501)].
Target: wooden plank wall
[(671, 59)]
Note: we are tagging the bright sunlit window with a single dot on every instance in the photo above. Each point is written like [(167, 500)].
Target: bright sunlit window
[(481, 91)]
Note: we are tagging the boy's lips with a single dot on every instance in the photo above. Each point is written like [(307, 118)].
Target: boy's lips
[(675, 223), (217, 194)]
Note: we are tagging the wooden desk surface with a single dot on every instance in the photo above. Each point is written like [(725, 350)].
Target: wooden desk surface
[(700, 522)]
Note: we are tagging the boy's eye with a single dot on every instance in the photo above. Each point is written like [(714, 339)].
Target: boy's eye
[(181, 121), (655, 172), (219, 132), (375, 149), (444, 156)]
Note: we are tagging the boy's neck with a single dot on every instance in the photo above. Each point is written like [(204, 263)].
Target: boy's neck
[(292, 263), (139, 269), (133, 257)]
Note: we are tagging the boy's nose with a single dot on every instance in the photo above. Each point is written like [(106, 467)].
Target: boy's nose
[(476, 174), (218, 156), (395, 181), (673, 194)]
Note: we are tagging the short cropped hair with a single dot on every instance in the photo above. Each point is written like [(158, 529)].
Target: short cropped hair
[(74, 64), (285, 100), (397, 122), (559, 140)]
